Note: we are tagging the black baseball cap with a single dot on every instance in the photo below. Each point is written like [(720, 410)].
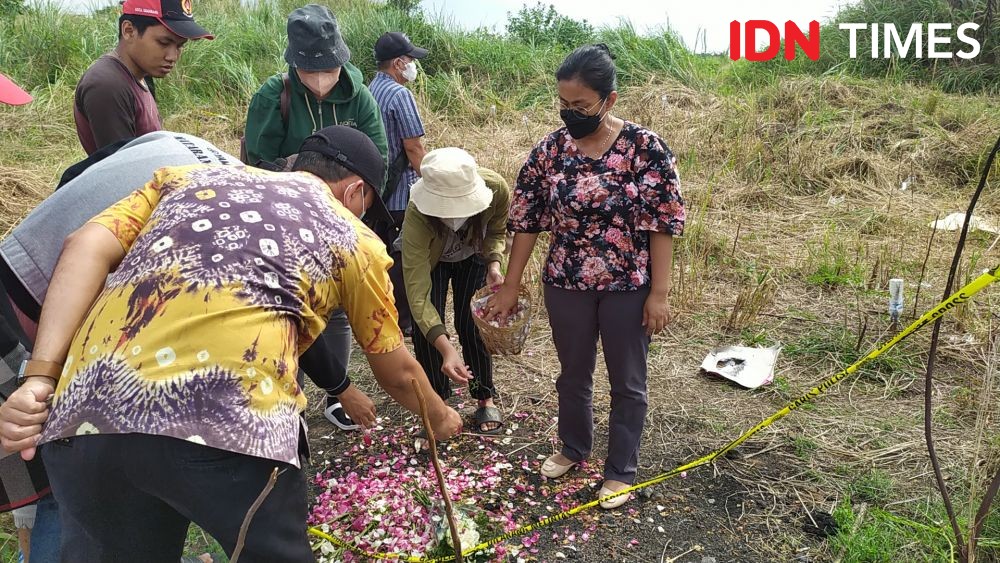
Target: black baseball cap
[(394, 44), (175, 15), (356, 152)]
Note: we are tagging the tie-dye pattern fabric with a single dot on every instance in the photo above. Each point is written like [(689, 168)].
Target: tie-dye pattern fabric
[(229, 274)]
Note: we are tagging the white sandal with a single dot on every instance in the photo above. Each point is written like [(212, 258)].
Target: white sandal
[(612, 503), (553, 469)]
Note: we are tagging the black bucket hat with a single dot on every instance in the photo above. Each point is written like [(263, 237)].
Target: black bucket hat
[(314, 40)]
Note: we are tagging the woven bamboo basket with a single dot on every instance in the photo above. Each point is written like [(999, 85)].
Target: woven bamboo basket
[(506, 340)]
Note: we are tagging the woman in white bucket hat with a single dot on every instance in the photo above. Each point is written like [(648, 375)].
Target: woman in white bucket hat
[(454, 232)]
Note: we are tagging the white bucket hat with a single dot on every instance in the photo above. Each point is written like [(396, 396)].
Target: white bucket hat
[(450, 186)]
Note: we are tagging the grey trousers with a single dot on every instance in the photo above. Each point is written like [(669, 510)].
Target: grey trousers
[(577, 319), (326, 361)]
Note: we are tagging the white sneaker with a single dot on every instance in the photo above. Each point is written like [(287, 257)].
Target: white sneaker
[(334, 412)]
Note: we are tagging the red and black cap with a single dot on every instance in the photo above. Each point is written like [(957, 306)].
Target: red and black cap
[(175, 15)]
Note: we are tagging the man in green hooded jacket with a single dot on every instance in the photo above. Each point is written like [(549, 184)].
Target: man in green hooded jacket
[(324, 89)]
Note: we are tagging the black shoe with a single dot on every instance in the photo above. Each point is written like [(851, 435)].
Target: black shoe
[(334, 412)]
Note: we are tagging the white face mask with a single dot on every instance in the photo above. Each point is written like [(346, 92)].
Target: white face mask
[(454, 224), (410, 71), (319, 83)]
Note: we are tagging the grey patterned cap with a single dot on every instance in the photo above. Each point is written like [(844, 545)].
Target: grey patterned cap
[(314, 40)]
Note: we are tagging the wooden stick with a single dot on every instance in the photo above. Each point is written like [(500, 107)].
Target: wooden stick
[(456, 543), (923, 268), (242, 537)]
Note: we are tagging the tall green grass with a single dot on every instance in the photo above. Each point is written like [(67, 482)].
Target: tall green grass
[(981, 74), (467, 71)]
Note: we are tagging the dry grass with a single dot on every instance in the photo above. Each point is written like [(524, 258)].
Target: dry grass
[(797, 216)]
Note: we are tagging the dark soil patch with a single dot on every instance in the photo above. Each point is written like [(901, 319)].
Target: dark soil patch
[(687, 518)]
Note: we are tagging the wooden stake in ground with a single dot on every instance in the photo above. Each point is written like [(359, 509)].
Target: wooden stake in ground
[(449, 512), (242, 537)]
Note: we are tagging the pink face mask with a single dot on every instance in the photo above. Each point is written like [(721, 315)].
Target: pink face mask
[(319, 83)]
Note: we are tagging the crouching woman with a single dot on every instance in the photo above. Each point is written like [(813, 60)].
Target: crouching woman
[(454, 232)]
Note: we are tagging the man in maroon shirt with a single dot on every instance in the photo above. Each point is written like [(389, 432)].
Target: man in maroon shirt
[(113, 98)]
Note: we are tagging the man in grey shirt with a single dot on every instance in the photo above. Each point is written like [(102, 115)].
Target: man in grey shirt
[(32, 249)]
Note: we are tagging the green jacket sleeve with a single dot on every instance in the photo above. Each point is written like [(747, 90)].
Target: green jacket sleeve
[(417, 273), (265, 131), (496, 226), (370, 122)]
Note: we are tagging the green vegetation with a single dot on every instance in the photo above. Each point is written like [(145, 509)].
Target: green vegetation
[(873, 486), (804, 447), (761, 147), (867, 533), (952, 75), (543, 25), (832, 263), (469, 70), (876, 535)]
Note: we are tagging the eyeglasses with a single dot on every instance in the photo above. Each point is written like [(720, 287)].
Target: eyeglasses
[(578, 112)]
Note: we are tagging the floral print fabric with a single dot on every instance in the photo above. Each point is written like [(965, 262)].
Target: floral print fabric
[(229, 274), (600, 211)]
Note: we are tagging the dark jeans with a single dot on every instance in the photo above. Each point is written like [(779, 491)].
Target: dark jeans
[(577, 319), (466, 278), (131, 497), (45, 533), (396, 277)]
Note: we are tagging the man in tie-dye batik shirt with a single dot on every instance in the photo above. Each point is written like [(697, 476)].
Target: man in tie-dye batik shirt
[(178, 395)]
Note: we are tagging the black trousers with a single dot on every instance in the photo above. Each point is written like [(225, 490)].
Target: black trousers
[(466, 277), (131, 497), (396, 277)]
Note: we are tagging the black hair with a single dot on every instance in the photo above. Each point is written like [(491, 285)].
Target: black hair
[(140, 23), (322, 166), (382, 65), (592, 65)]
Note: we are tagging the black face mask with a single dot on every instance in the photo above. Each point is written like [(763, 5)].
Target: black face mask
[(579, 127)]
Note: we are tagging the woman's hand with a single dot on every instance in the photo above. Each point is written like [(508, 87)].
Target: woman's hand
[(494, 277), (503, 302), (452, 364), (655, 313), (358, 406)]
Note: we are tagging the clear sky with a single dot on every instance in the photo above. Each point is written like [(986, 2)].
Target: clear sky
[(703, 25)]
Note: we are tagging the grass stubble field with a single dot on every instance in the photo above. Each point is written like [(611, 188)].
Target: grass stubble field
[(805, 195)]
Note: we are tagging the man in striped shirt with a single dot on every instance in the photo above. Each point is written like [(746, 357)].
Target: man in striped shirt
[(396, 57)]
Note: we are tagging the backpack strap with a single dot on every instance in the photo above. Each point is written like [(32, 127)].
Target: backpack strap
[(286, 97)]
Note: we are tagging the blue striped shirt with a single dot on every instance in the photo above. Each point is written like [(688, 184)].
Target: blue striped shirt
[(402, 121)]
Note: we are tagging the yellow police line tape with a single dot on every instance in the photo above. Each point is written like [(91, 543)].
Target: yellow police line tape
[(958, 298)]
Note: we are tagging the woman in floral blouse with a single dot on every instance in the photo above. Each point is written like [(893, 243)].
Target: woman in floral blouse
[(608, 192)]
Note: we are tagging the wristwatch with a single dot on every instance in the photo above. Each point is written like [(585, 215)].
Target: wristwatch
[(34, 368)]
